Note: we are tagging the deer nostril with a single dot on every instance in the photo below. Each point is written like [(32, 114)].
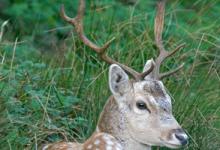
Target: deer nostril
[(183, 139)]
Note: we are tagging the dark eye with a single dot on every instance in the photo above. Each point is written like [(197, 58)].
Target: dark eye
[(141, 105)]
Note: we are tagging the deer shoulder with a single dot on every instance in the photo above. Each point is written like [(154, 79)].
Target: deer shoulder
[(98, 141)]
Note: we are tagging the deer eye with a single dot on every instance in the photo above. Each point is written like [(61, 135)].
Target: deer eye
[(141, 105)]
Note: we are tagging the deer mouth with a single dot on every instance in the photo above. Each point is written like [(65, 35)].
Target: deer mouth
[(170, 145)]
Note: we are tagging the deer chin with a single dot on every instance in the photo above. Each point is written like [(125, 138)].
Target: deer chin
[(148, 143), (174, 144), (170, 144)]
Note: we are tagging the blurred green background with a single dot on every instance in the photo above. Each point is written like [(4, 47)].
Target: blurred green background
[(53, 88)]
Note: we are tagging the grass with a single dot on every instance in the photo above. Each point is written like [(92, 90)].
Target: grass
[(58, 95)]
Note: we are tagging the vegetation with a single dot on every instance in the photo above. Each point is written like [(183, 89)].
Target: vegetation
[(53, 88)]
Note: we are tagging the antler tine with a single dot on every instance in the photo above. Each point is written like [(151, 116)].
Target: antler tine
[(158, 29), (77, 22), (163, 75)]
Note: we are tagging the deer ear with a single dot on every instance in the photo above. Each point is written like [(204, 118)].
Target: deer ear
[(147, 66), (118, 80)]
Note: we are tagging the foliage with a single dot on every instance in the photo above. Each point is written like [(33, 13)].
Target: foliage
[(58, 95)]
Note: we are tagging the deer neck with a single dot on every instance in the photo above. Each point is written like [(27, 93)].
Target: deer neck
[(112, 121)]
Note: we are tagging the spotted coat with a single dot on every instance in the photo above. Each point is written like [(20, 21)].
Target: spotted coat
[(98, 141)]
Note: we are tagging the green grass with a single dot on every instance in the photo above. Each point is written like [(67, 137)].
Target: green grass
[(58, 95)]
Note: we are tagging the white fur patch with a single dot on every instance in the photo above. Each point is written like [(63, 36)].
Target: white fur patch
[(118, 146), (106, 137), (90, 146), (97, 142), (109, 142), (108, 147)]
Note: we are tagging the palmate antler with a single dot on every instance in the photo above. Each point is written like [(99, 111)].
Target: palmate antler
[(77, 22)]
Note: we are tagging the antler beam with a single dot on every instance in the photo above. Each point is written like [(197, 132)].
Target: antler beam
[(158, 29), (77, 22)]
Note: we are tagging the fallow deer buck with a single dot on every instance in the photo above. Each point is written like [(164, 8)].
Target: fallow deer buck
[(139, 113)]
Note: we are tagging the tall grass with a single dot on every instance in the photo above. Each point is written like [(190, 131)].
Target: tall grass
[(47, 97)]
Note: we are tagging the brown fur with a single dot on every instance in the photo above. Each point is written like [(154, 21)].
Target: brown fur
[(101, 141), (127, 127)]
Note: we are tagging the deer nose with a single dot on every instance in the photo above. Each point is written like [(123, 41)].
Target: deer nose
[(182, 137)]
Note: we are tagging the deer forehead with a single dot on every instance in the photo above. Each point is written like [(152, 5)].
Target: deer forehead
[(154, 91), (150, 86)]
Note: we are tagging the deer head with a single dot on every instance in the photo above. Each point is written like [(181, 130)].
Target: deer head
[(144, 101), (147, 109)]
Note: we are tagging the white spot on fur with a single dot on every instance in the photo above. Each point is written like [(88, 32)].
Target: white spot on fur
[(97, 142), (108, 147), (106, 137), (109, 142), (70, 145), (90, 146), (118, 146)]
